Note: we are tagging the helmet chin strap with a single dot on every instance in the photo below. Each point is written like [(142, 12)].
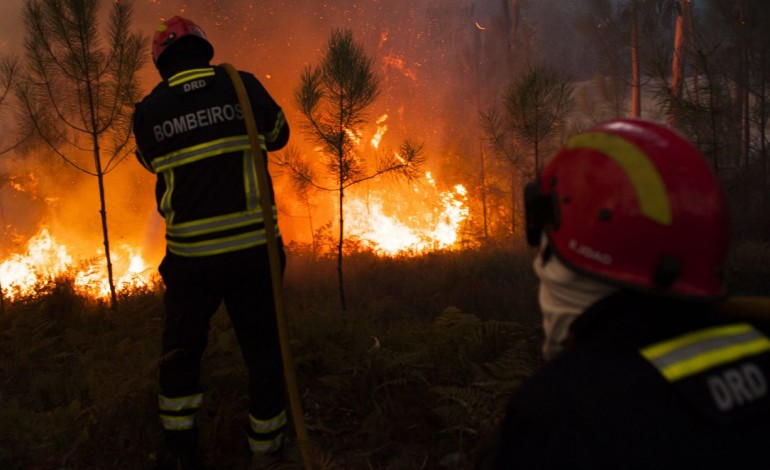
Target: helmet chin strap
[(563, 296)]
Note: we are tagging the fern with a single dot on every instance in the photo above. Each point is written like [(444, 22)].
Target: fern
[(513, 364), (453, 317)]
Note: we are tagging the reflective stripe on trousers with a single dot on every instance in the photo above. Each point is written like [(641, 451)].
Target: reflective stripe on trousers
[(179, 413), (266, 436)]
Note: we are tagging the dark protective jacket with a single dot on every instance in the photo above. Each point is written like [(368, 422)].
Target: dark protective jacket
[(190, 131), (646, 384)]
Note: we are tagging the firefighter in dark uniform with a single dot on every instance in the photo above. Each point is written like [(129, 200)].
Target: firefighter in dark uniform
[(190, 132), (644, 369)]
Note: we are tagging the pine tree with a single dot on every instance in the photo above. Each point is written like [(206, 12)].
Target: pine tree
[(333, 98), (82, 83)]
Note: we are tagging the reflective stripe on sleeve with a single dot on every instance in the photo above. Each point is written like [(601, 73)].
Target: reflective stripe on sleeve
[(165, 201), (691, 353), (250, 181), (280, 121)]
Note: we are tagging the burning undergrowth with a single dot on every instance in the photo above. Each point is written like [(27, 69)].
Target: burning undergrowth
[(46, 262), (50, 228)]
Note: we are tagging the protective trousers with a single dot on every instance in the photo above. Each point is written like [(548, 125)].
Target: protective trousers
[(195, 288)]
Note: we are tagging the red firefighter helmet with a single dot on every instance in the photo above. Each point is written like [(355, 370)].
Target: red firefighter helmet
[(634, 203), (173, 30)]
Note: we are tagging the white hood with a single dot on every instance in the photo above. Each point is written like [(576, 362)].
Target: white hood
[(563, 296)]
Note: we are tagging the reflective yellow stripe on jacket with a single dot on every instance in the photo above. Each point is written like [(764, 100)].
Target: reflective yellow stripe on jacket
[(216, 224), (199, 152), (188, 75), (219, 245), (253, 215), (686, 355)]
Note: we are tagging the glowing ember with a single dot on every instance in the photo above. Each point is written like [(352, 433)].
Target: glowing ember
[(45, 260), (432, 221), (381, 129), (354, 136)]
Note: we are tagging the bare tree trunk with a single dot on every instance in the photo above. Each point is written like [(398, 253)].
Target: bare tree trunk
[(100, 179), (677, 64), (339, 251), (692, 46), (763, 118), (743, 109), (636, 95), (514, 199), (102, 203), (103, 213), (313, 245), (484, 193), (707, 73), (537, 154), (742, 87)]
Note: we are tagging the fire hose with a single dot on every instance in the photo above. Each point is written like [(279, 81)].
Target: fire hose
[(275, 263), (744, 308)]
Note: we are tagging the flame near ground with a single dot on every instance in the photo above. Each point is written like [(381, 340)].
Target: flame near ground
[(416, 59), (45, 260), (417, 219), (388, 218)]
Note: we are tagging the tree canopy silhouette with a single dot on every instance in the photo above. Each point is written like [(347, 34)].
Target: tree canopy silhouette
[(80, 83)]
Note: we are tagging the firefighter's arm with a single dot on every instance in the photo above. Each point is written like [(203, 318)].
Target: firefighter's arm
[(142, 160), (279, 135), (136, 126), (271, 119)]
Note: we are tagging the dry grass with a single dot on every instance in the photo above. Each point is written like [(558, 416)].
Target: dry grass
[(413, 375)]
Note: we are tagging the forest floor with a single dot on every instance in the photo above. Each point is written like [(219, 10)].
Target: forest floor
[(415, 373)]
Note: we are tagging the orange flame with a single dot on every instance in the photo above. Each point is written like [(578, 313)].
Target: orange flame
[(432, 222), (45, 260), (424, 220), (381, 129), (354, 136)]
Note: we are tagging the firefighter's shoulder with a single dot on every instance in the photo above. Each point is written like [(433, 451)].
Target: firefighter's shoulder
[(721, 370)]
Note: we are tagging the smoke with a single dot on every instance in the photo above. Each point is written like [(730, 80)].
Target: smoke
[(441, 61)]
